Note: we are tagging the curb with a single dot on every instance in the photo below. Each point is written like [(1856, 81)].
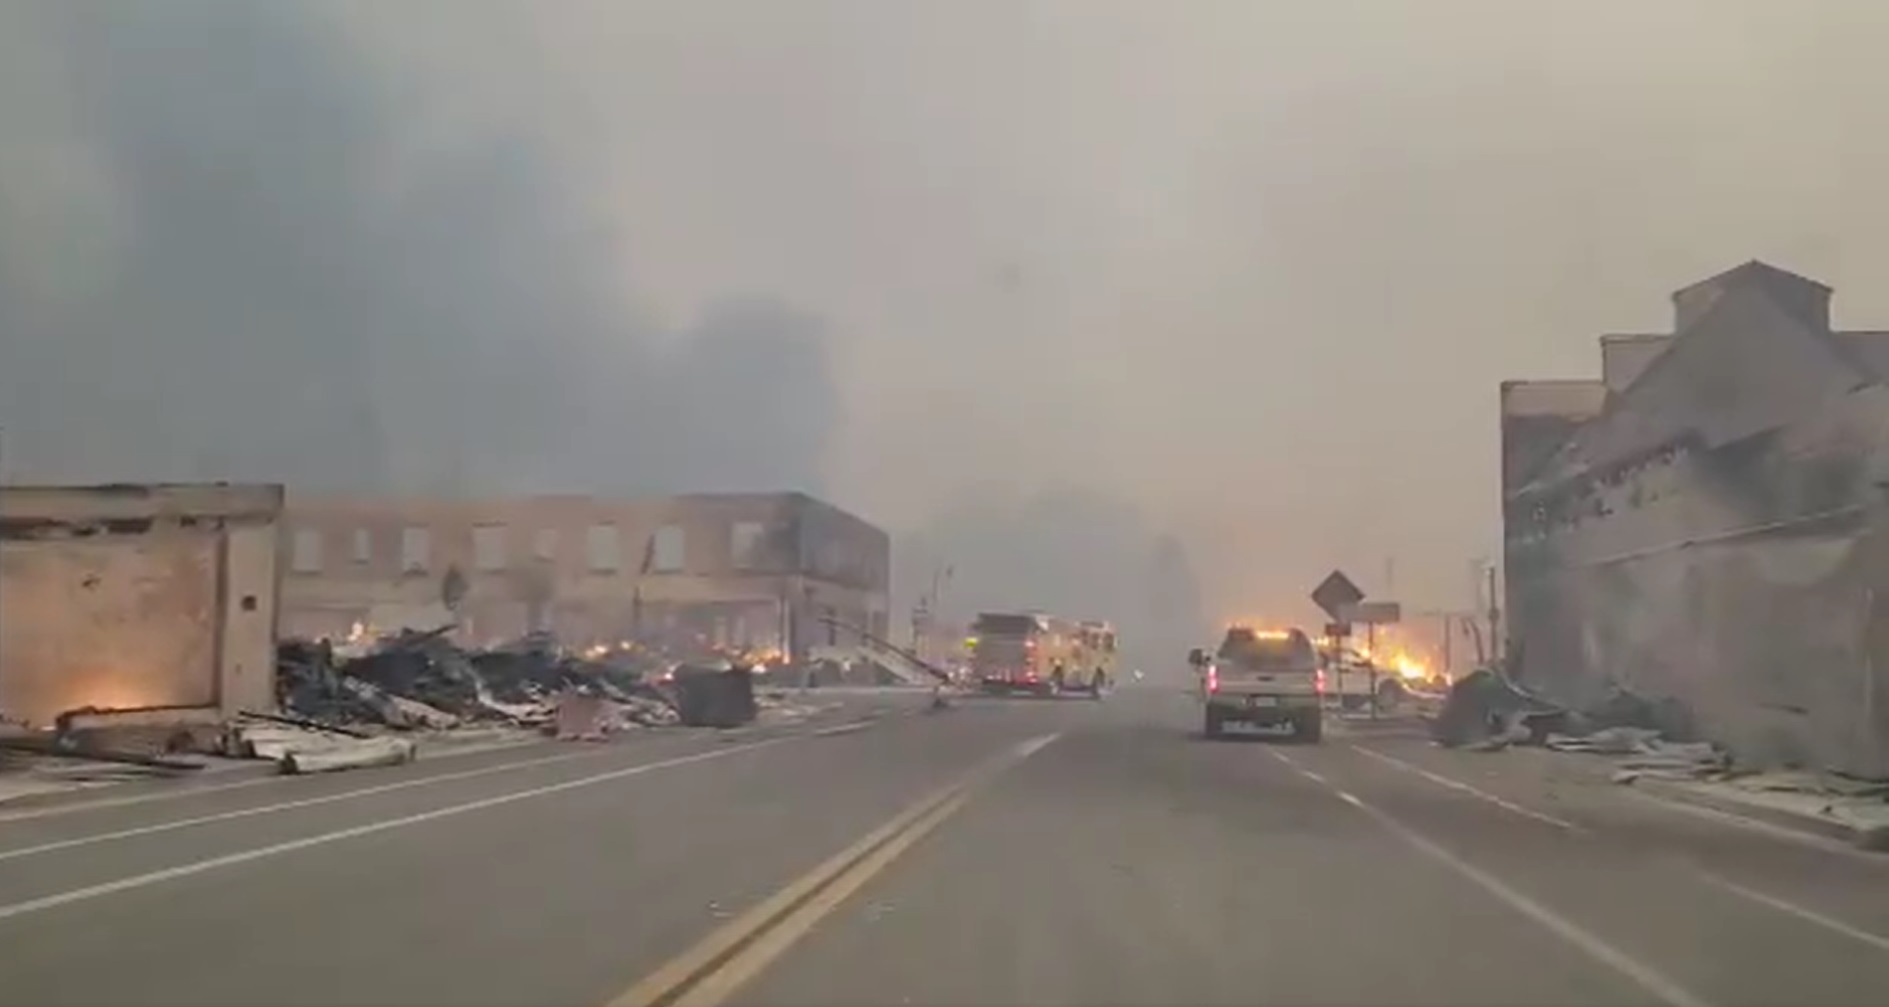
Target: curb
[(1862, 837)]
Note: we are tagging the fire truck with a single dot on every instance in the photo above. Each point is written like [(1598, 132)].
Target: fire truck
[(1037, 654)]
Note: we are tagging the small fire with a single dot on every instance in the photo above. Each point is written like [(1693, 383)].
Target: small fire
[(1408, 666), (1397, 660)]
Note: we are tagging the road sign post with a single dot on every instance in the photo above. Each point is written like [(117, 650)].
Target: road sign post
[(1377, 613), (1336, 594), (1339, 597)]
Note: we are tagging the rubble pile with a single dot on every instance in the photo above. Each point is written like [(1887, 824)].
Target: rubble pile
[(1488, 710), (1641, 752), (412, 681)]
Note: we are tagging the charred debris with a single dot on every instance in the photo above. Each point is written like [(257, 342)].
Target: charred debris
[(410, 681)]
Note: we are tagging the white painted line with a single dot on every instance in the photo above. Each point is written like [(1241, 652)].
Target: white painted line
[(1648, 978), (828, 732), (279, 806), (135, 881), (1810, 916), (426, 755), (1031, 747), (50, 811), (1476, 792)]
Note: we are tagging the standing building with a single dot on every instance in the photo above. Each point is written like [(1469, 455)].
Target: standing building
[(747, 571), (1704, 525)]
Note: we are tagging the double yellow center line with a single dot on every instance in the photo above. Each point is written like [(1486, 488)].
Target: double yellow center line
[(709, 973)]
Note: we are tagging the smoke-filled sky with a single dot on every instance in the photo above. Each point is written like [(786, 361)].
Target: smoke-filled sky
[(1242, 271)]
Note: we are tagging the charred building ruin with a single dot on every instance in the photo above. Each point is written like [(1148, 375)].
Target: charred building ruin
[(1704, 525), (141, 603), (752, 572)]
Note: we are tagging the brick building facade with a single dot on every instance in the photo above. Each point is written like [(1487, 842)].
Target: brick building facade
[(763, 571)]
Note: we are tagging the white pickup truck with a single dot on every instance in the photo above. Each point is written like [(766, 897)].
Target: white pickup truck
[(1266, 678)]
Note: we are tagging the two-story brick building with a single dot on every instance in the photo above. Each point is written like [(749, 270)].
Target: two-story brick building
[(747, 570)]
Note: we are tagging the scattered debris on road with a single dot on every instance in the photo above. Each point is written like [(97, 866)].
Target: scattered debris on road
[(298, 748)]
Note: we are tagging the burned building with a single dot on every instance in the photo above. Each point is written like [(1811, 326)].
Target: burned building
[(158, 601), (721, 571), (1704, 524)]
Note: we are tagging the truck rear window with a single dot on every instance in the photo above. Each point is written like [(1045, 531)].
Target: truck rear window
[(1268, 651)]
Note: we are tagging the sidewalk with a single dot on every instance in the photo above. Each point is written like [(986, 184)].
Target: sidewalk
[(1795, 801), (1818, 804)]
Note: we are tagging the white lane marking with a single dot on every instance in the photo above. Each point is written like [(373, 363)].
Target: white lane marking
[(305, 802), (29, 814), (857, 725), (1785, 906), (1647, 977), (1476, 792), (86, 840), (1031, 747), (134, 881), (1314, 777), (1810, 916)]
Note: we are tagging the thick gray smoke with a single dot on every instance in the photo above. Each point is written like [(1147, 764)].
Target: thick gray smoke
[(1074, 551), (228, 251)]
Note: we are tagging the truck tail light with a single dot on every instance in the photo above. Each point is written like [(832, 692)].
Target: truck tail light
[(1318, 681), (1213, 679)]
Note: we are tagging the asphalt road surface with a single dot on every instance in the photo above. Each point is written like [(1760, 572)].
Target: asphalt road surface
[(998, 853)]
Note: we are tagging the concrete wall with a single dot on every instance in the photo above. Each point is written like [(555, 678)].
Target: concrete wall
[(745, 567), (137, 596)]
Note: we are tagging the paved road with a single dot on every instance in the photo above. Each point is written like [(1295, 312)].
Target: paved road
[(999, 853)]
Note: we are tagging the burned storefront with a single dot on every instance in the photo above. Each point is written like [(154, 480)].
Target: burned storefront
[(137, 603), (1703, 527), (755, 574)]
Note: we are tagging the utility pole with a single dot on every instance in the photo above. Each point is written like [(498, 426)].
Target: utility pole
[(1478, 606), (3, 513), (929, 611), (1449, 648), (1496, 648)]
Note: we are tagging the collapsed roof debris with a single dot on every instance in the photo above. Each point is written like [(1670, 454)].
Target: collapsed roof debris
[(410, 681)]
